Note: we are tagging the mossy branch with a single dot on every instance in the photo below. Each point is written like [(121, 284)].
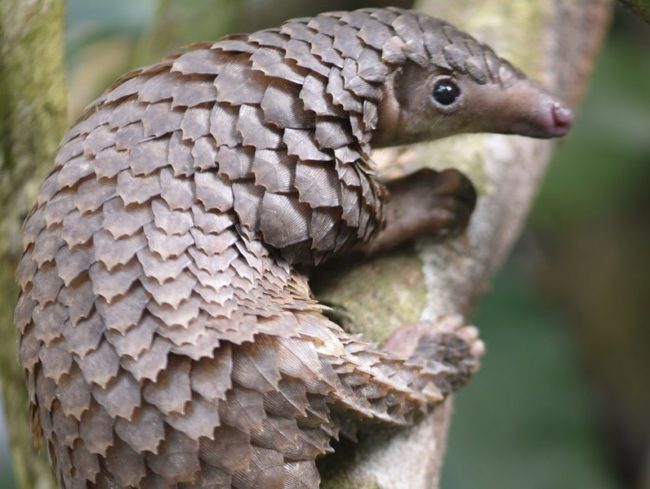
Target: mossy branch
[(554, 42), (33, 117)]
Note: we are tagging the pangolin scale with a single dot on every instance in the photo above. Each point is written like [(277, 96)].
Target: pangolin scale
[(166, 327)]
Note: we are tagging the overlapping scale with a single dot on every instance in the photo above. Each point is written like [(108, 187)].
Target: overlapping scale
[(167, 341)]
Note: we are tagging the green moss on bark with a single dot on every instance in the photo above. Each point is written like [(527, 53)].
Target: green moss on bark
[(377, 295), (32, 120), (554, 42)]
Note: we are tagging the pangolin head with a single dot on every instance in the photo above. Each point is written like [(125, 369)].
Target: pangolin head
[(458, 85)]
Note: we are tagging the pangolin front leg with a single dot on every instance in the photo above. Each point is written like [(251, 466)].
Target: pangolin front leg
[(166, 327), (426, 202)]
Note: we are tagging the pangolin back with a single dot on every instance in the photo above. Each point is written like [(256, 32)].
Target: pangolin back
[(167, 338)]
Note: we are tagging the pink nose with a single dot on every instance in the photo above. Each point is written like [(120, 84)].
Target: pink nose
[(562, 119), (553, 119)]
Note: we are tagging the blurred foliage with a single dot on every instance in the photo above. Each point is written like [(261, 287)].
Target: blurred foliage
[(604, 162), (592, 222), (639, 7), (536, 414), (563, 399), (179, 23)]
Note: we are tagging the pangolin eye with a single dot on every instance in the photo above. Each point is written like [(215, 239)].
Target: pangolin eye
[(445, 92)]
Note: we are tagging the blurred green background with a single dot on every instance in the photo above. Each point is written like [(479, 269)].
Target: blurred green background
[(563, 399)]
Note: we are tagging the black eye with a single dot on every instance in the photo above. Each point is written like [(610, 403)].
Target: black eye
[(445, 92)]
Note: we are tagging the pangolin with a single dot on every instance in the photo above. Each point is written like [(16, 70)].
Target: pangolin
[(166, 327)]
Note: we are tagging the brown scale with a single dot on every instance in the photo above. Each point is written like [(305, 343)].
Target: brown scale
[(166, 327)]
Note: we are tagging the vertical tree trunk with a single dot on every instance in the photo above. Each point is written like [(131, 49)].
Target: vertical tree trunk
[(32, 120), (554, 41)]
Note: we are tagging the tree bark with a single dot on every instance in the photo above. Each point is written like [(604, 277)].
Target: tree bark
[(554, 42), (33, 117)]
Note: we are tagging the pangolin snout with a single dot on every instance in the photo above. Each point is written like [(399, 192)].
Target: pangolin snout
[(540, 115), (524, 109)]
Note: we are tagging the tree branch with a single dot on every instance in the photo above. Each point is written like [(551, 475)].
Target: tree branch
[(33, 117), (554, 42)]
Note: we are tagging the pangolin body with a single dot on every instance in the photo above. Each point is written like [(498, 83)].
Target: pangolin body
[(168, 336)]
